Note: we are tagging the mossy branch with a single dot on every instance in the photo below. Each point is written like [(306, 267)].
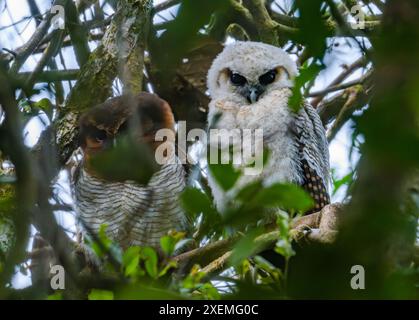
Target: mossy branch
[(123, 44), (215, 256)]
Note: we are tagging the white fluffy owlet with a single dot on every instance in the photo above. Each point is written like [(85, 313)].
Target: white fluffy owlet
[(250, 85), (135, 214)]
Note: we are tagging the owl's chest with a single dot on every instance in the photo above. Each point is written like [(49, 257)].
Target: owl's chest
[(271, 114), (134, 214), (273, 118), (108, 199)]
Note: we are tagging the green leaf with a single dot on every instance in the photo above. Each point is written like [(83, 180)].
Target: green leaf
[(183, 33), (97, 294), (97, 249), (130, 254), (209, 291), (338, 183), (150, 260), (105, 243), (135, 162), (284, 248), (132, 268), (225, 175), (168, 243), (131, 260), (284, 226), (55, 296), (44, 105), (307, 74), (245, 247), (312, 31), (194, 277), (170, 265), (195, 201), (249, 191), (287, 196)]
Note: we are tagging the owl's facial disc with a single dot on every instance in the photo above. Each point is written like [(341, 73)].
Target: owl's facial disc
[(95, 139)]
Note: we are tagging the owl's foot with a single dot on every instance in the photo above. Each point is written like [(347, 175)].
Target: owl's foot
[(300, 234), (323, 225)]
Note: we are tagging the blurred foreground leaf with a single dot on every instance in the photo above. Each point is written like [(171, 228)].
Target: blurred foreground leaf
[(126, 161), (96, 294)]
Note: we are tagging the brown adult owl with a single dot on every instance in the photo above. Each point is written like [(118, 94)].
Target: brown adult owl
[(135, 213)]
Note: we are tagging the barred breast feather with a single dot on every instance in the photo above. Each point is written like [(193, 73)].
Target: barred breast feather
[(134, 214)]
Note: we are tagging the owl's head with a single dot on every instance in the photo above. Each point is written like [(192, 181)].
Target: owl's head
[(140, 116), (247, 70)]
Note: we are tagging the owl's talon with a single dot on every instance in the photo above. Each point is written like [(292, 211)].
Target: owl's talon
[(300, 233)]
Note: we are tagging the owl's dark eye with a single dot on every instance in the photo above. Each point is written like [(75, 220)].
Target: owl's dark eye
[(237, 79), (99, 135), (268, 77)]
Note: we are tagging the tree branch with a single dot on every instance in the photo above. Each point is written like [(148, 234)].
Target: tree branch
[(338, 87), (340, 28), (77, 32), (11, 144), (166, 5), (49, 53), (99, 72), (88, 25), (352, 98), (214, 256), (50, 76), (23, 53), (268, 29), (341, 77), (132, 43)]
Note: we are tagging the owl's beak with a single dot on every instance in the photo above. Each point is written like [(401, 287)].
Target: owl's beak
[(254, 93)]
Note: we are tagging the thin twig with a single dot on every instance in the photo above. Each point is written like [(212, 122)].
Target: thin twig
[(342, 76), (28, 48), (165, 5)]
